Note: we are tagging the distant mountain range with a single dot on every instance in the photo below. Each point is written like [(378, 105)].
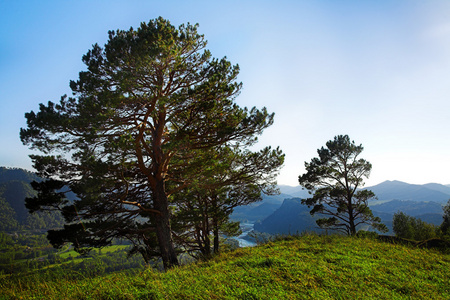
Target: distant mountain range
[(392, 190), (273, 215), (282, 213), (397, 190)]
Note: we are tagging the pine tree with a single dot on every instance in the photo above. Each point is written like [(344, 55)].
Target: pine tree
[(147, 101)]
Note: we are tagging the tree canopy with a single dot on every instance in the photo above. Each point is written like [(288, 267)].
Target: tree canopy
[(445, 226), (334, 179), (412, 228), (150, 100)]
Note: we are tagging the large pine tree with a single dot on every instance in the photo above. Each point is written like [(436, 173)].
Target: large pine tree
[(147, 100)]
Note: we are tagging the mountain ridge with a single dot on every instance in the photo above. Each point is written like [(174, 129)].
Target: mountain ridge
[(392, 190)]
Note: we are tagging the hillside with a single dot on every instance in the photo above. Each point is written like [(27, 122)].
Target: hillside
[(14, 188), (306, 267), (438, 187), (290, 218), (294, 191), (259, 210), (16, 174)]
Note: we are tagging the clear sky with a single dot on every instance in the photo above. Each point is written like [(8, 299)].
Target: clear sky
[(378, 71)]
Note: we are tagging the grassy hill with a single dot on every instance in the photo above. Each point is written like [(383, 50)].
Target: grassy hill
[(305, 267)]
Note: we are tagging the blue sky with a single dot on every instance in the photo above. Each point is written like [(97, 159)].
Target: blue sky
[(378, 71)]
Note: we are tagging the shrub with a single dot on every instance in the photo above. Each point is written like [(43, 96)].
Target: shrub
[(367, 234)]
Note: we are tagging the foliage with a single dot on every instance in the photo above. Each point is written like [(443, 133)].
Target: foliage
[(412, 228), (150, 100), (445, 226), (304, 267), (367, 234), (229, 178), (334, 178)]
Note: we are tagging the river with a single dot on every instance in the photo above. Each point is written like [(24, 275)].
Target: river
[(243, 239)]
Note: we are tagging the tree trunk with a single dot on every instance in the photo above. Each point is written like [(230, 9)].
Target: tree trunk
[(206, 249), (215, 224), (205, 231), (163, 230), (216, 235), (351, 213), (351, 219)]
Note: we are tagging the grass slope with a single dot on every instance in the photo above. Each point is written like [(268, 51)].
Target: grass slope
[(306, 267)]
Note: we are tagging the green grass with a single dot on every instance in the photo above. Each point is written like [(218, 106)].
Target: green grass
[(307, 267)]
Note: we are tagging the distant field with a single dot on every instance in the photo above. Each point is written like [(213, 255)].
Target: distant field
[(73, 253)]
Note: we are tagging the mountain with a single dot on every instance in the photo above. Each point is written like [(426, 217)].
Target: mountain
[(259, 210), (291, 217), (294, 191), (14, 188), (11, 174), (438, 187), (282, 213), (429, 212), (416, 200), (15, 192), (397, 190), (391, 190), (409, 207), (431, 218)]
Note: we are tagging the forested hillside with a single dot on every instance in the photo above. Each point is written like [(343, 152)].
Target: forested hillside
[(291, 218), (13, 174), (14, 188)]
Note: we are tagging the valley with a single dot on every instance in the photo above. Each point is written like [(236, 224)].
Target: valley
[(284, 213)]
